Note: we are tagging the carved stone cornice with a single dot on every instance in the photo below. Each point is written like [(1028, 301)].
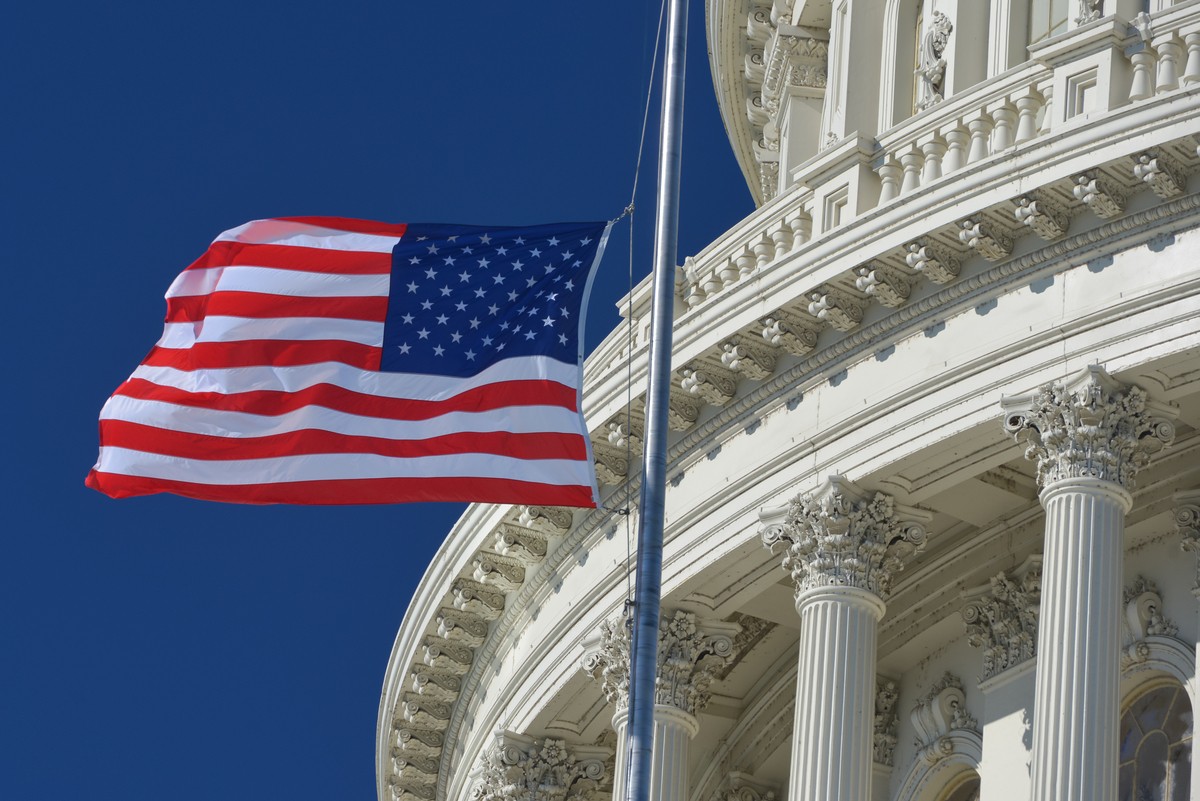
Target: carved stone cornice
[(942, 711), (622, 432), (519, 768), (887, 721), (755, 362), (549, 519), (1044, 216), (1088, 426), (1105, 201), (442, 685), (446, 655), (991, 243), (841, 536), (464, 627), (526, 544), (835, 308), (883, 284), (796, 339), (1160, 173), (1186, 516), (1002, 618), (713, 385), (501, 572), (690, 655), (471, 596), (1144, 618), (933, 261), (612, 464), (682, 412)]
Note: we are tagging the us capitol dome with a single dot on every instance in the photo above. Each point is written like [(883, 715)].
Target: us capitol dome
[(933, 514)]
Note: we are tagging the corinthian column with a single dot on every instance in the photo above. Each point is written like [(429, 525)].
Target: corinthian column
[(842, 548), (1089, 435), (690, 653)]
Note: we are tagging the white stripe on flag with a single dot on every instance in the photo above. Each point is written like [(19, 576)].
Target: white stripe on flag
[(274, 281), (218, 328), (335, 466), (242, 425), (300, 234), (413, 386)]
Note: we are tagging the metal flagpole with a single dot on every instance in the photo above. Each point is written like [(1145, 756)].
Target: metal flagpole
[(654, 461)]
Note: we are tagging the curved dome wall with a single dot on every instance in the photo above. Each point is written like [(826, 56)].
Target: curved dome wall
[(1037, 224)]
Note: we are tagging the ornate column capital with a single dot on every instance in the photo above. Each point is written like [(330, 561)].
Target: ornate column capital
[(519, 768), (1089, 426), (839, 536), (690, 655), (1002, 617)]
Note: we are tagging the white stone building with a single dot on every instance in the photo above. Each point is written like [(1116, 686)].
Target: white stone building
[(934, 507)]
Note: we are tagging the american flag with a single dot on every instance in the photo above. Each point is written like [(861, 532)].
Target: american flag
[(323, 360)]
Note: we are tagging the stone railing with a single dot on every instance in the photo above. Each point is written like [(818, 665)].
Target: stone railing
[(1072, 80)]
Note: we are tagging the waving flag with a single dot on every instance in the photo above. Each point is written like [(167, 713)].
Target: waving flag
[(322, 360)]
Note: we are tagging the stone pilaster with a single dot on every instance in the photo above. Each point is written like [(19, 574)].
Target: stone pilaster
[(518, 768), (1089, 436), (842, 548), (1002, 618), (1187, 524), (691, 654)]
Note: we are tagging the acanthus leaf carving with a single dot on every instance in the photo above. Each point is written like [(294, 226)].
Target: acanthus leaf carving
[(519, 542), (1144, 618), (742, 357), (1089, 426), (841, 536), (517, 768), (942, 711), (691, 654), (446, 655), (1160, 173), (1044, 216), (984, 238), (1002, 617), (1097, 194), (883, 284), (498, 571), (441, 685), (713, 386), (471, 596), (550, 519), (835, 308), (797, 340), (887, 721), (1186, 516), (462, 626)]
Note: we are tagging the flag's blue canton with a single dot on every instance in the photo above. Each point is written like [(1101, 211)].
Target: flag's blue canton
[(465, 297)]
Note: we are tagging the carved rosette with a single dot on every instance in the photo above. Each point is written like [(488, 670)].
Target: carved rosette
[(1089, 426), (1187, 524), (690, 656), (887, 721), (521, 769), (1002, 619), (840, 536)]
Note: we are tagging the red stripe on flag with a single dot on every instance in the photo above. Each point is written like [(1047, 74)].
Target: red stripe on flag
[(194, 308), (256, 352), (293, 257), (270, 402), (336, 491), (186, 445)]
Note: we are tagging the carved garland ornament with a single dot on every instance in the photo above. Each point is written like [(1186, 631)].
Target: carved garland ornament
[(1089, 426), (838, 536)]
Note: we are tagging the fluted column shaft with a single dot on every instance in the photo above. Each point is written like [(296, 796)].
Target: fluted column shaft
[(835, 686), (673, 728), (1076, 715)]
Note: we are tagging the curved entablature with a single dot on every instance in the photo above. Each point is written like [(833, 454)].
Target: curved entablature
[(816, 296)]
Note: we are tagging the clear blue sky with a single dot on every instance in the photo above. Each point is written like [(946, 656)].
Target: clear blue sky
[(164, 648)]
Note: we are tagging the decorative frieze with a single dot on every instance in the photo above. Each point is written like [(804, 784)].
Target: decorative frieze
[(942, 711), (984, 238), (933, 261), (887, 721), (1187, 524), (1105, 201), (471, 596), (1159, 173), (797, 340), (498, 571), (550, 519), (742, 357), (841, 536), (682, 412), (835, 308), (464, 627), (1089, 426), (1144, 618), (441, 653), (519, 768), (525, 544), (1002, 618), (438, 684), (1044, 216), (883, 284), (690, 655), (712, 385)]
